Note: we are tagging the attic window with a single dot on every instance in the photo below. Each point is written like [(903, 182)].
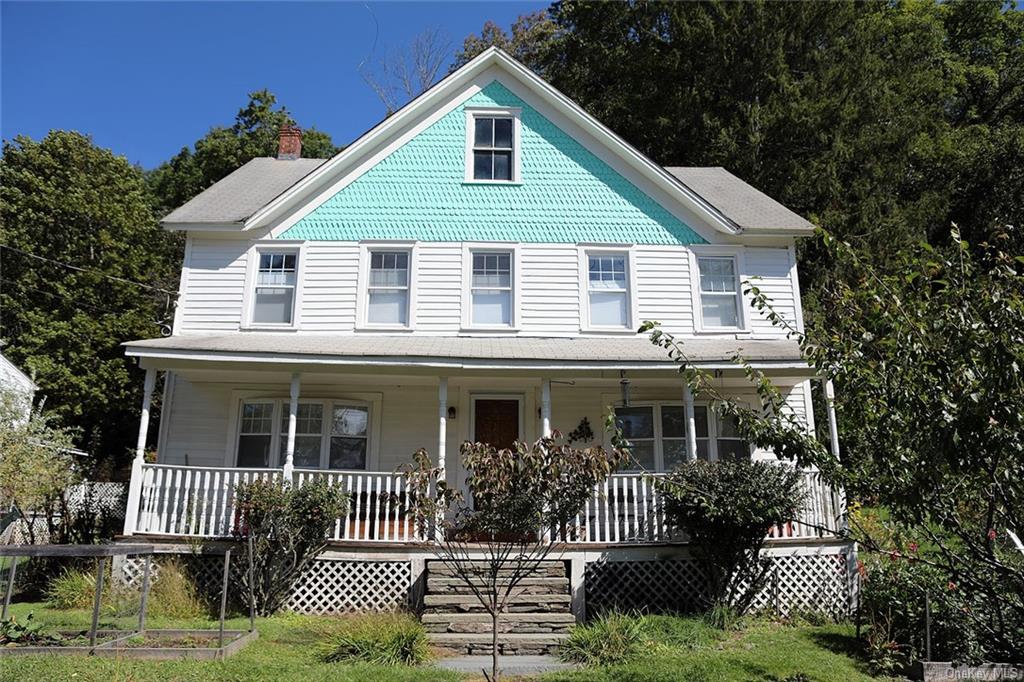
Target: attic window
[(492, 149)]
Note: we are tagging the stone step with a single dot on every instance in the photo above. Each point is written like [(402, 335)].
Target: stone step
[(520, 623), (523, 603), (545, 569), (546, 585), (514, 644)]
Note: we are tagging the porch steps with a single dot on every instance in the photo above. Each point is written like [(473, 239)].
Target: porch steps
[(537, 619)]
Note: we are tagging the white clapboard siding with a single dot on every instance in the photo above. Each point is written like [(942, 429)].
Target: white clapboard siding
[(550, 302), (198, 416), (329, 282), (438, 287), (663, 287), (214, 284), (769, 270)]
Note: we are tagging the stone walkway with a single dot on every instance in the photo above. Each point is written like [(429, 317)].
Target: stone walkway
[(510, 665)]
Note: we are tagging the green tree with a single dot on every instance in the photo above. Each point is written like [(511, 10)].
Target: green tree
[(530, 41), (224, 149), (65, 199)]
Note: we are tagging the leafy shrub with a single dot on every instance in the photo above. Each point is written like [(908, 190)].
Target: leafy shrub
[(289, 526), (382, 639), (26, 634), (727, 508), (612, 638)]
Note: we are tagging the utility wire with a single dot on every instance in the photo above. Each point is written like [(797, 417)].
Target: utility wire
[(70, 299), (89, 271)]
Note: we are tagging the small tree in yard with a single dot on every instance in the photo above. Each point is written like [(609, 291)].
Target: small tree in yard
[(36, 466), (524, 503), (727, 508), (289, 527)]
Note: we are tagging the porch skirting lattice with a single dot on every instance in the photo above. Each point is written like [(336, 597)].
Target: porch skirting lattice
[(821, 583), (328, 586)]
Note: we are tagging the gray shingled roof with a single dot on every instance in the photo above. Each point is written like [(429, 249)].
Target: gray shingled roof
[(419, 350), (741, 203), (243, 192)]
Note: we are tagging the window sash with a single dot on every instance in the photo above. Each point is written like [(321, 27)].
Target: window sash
[(491, 158), (491, 285), (274, 288), (718, 286), (387, 288)]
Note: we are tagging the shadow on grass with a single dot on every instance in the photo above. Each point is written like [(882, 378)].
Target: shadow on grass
[(843, 644)]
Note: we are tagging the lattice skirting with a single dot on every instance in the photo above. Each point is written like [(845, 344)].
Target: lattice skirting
[(819, 583), (328, 586)]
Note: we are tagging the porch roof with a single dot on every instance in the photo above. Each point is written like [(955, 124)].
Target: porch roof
[(464, 352)]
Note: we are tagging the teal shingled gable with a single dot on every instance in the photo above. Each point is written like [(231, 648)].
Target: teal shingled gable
[(567, 194)]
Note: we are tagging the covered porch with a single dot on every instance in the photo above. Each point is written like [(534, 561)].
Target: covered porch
[(231, 416)]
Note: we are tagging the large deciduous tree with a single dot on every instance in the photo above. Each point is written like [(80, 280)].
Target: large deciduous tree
[(67, 200), (226, 148)]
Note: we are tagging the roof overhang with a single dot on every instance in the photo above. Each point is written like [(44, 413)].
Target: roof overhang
[(271, 350), (309, 186)]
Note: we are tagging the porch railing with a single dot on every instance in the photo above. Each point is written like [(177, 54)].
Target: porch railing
[(200, 502), (626, 509)]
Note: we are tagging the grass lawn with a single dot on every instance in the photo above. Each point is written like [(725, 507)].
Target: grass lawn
[(685, 649)]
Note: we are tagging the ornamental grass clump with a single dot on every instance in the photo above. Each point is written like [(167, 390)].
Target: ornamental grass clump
[(380, 639), (612, 638)]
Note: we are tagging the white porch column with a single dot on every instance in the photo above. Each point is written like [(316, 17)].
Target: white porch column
[(442, 425), (131, 515), (833, 427), (545, 408), (691, 423), (293, 411)]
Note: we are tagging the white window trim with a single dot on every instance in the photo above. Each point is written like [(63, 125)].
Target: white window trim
[(468, 249), (515, 113), (295, 246), (659, 454), (363, 279), (282, 401), (583, 259), (739, 265)]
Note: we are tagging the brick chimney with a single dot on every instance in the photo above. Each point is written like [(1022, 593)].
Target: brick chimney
[(289, 144)]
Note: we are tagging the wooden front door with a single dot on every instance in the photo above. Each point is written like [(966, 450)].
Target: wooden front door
[(496, 421)]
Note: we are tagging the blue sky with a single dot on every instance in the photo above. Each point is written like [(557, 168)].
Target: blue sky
[(147, 78)]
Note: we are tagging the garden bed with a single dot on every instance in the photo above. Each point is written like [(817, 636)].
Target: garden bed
[(201, 645)]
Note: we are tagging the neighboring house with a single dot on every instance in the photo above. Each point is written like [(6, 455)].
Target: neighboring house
[(473, 268), (13, 379)]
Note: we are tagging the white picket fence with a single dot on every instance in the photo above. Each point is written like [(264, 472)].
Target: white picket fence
[(626, 509)]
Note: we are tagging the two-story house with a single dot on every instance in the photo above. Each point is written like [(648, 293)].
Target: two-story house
[(475, 267)]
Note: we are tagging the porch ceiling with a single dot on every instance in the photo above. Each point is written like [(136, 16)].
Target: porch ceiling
[(463, 352)]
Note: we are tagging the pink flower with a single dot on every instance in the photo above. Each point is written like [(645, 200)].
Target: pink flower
[(951, 586), (991, 533), (913, 547)]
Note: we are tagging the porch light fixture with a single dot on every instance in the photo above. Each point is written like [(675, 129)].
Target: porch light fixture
[(451, 412), (624, 386)]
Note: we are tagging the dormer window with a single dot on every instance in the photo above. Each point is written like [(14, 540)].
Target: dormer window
[(492, 146)]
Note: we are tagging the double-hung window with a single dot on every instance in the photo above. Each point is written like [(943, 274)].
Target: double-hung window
[(349, 427), (255, 434), (329, 434), (491, 289), (309, 421), (493, 148), (608, 291), (274, 300), (657, 435), (719, 292), (388, 288)]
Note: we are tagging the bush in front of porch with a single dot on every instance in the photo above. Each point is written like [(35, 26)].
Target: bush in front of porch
[(727, 509), (288, 527)]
